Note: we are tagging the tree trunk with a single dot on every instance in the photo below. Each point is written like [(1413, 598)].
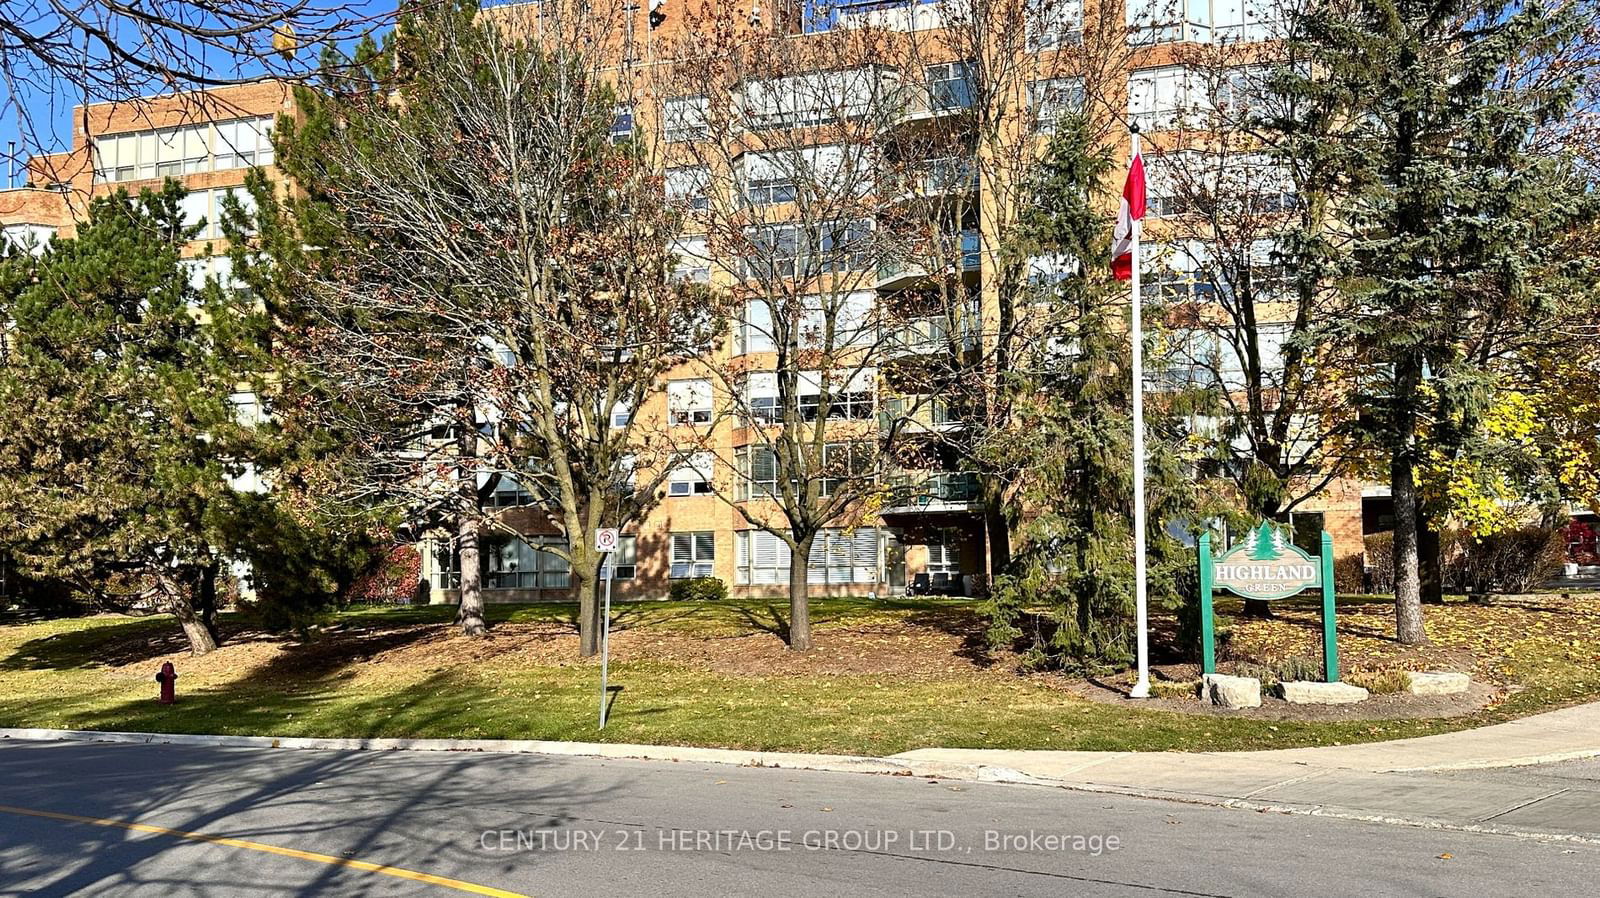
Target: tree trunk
[(1258, 608), (800, 597), (206, 600), (201, 640), (1429, 570), (1407, 516), (588, 587), (1407, 577), (996, 528), (469, 616)]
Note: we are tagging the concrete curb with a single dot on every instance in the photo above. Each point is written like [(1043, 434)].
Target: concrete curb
[(621, 751)]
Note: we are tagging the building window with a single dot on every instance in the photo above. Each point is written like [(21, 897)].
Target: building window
[(509, 494), (944, 565), (684, 119), (171, 152), (622, 124), (205, 208), (949, 86), (243, 143), (511, 563), (760, 558), (814, 98), (26, 238), (691, 476), (688, 186), (845, 246), (773, 252), (753, 330), (689, 401), (768, 180), (844, 556), (758, 472), (844, 463), (621, 415), (851, 395), (1166, 97), (693, 554), (1054, 23), (1051, 100), (694, 260), (837, 557), (625, 559)]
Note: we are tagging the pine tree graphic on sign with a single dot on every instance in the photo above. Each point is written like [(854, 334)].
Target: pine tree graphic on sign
[(1266, 544)]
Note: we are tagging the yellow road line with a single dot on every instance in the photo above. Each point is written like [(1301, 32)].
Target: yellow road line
[(385, 869)]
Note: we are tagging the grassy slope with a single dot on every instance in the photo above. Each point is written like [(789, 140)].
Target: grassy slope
[(97, 674)]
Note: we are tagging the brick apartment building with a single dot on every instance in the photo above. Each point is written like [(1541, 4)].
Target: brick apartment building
[(929, 532)]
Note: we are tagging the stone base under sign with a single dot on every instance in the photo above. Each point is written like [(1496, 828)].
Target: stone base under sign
[(1231, 692), (1310, 692)]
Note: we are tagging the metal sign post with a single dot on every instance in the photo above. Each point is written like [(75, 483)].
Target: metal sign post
[(605, 542)]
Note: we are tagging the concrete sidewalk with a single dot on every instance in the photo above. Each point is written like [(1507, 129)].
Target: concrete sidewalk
[(1397, 781)]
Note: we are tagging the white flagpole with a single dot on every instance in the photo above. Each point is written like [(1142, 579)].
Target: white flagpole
[(1141, 688)]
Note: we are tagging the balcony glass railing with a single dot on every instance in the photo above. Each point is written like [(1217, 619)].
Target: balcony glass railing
[(967, 244), (933, 488)]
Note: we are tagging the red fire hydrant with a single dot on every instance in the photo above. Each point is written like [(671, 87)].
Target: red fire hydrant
[(167, 678)]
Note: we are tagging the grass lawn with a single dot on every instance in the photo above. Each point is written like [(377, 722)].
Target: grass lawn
[(886, 676)]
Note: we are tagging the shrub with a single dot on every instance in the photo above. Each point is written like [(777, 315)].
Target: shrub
[(1511, 561), (1175, 689), (1380, 562), (390, 578), (1292, 668), (1349, 574), (699, 589), (1380, 682)]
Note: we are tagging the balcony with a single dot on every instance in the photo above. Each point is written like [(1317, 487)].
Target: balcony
[(888, 15), (932, 492), (901, 273), (936, 179), (919, 414), (931, 335)]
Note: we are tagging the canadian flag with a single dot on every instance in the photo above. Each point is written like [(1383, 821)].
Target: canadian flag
[(1132, 210)]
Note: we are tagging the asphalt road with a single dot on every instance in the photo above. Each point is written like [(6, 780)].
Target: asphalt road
[(326, 823)]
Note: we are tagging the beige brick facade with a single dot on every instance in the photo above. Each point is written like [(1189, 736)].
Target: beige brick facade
[(944, 544)]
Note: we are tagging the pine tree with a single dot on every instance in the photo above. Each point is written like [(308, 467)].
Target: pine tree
[(1450, 209), (117, 432)]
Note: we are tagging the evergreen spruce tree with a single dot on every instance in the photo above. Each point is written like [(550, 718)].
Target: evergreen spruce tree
[(116, 425), (1068, 594), (1450, 209)]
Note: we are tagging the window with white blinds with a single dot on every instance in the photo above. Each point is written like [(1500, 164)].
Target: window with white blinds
[(693, 554), (760, 558), (171, 152), (837, 556)]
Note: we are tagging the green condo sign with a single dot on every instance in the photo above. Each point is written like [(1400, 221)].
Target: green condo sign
[(1266, 566)]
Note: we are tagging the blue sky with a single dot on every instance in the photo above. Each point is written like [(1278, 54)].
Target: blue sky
[(37, 116)]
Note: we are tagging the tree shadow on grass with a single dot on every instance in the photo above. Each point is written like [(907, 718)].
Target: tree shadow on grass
[(765, 619), (129, 642)]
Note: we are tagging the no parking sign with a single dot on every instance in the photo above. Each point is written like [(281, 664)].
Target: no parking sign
[(606, 540)]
